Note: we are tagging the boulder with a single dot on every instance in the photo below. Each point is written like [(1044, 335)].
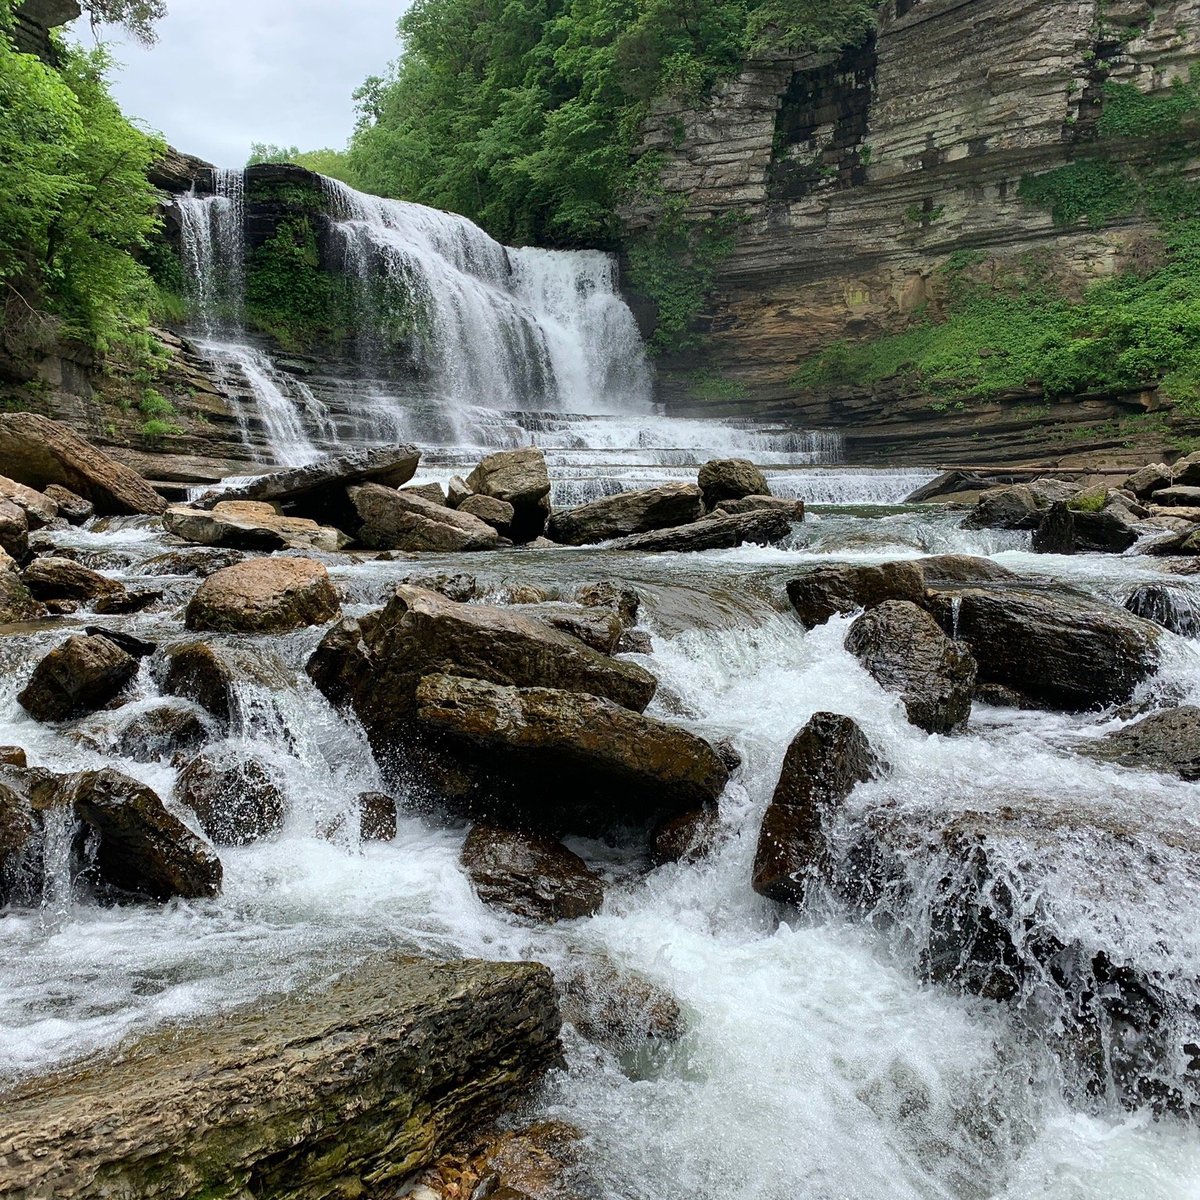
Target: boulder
[(16, 604), (38, 507), (61, 579), (1167, 741), (198, 672), (82, 674), (309, 1095), (1112, 530), (392, 520), (72, 508), (599, 628), (1173, 610), (520, 478), (791, 508), (38, 452), (192, 562), (376, 817), (530, 876), (949, 483), (250, 525), (142, 848), (1055, 533), (941, 569), (264, 595), (714, 532), (1066, 651), (432, 492), (1012, 507), (731, 479), (457, 491), (498, 514), (12, 756), (1179, 496), (1149, 479), (620, 597), (905, 651), (685, 837), (1186, 471), (157, 734), (138, 647), (375, 665), (559, 761), (826, 760), (235, 797), (627, 513), (828, 591), (14, 531), (618, 1009)]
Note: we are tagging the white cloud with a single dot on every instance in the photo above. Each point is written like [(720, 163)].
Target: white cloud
[(225, 73)]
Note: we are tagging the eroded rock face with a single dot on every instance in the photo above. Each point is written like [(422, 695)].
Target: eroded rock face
[(906, 652), (827, 759), (1063, 650), (250, 525), (312, 1096), (392, 520), (264, 595), (71, 507), (731, 479), (532, 876), (627, 513), (38, 452), (234, 796), (17, 837), (827, 591), (82, 674), (714, 532), (1166, 741), (142, 848), (559, 761)]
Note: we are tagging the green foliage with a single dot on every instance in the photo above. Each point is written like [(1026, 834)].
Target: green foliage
[(76, 208), (154, 404), (334, 163), (1090, 187), (811, 24), (139, 17), (1129, 112), (155, 429)]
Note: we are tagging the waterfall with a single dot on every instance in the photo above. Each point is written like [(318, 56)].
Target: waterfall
[(214, 251)]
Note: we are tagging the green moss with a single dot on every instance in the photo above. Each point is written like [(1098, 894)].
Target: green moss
[(1129, 112), (1093, 188)]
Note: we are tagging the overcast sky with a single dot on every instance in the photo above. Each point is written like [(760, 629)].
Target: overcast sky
[(225, 73)]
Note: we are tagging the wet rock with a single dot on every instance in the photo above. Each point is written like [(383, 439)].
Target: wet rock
[(520, 478), (250, 525), (308, 1096), (142, 848), (18, 834), (12, 756), (235, 797), (949, 483), (457, 491), (499, 514), (376, 664), (731, 479), (192, 562), (71, 507), (790, 508), (728, 753), (562, 761), (596, 627), (618, 1009), (16, 603), (1172, 610), (198, 672), (1055, 533), (1167, 741), (826, 760), (620, 597), (685, 837), (1066, 651), (38, 452), (1012, 507), (1110, 531), (531, 876), (941, 569), (138, 647), (78, 676), (459, 587), (62, 579), (391, 520), (14, 531), (157, 734), (264, 595), (905, 652), (627, 513), (714, 532), (376, 817), (1000, 696), (1149, 479), (828, 591)]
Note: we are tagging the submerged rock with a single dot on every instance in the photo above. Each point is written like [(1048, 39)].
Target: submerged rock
[(620, 597), (159, 733), (1172, 610), (264, 595), (392, 520), (235, 797), (1166, 741), (731, 479), (531, 876), (906, 652), (828, 591), (685, 837), (941, 569), (82, 674), (627, 513), (827, 759), (312, 1095), (615, 1008), (376, 817), (714, 532)]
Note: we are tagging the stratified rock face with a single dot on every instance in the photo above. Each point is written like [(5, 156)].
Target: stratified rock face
[(309, 1097), (731, 479), (71, 507), (1167, 741), (37, 451), (143, 848), (566, 761), (827, 591), (827, 759), (1062, 650), (250, 525), (400, 520), (906, 652), (234, 796), (80, 675), (264, 595), (714, 532), (627, 513), (532, 876)]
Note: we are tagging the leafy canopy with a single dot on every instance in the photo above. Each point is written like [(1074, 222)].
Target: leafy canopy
[(325, 162)]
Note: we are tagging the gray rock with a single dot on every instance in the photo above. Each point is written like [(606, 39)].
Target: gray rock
[(250, 525), (520, 478), (827, 591), (627, 513), (14, 531), (71, 507), (1149, 479), (792, 509), (1179, 495), (731, 479), (714, 532), (235, 796), (392, 520), (457, 491), (1173, 610), (499, 514), (1186, 472), (1166, 741)]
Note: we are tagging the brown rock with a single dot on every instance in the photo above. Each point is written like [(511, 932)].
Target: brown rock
[(596, 627), (14, 531), (392, 520), (159, 733), (731, 479), (790, 508), (627, 513), (520, 478), (12, 756), (38, 507), (685, 837), (1149, 479), (264, 595), (61, 579), (78, 676), (376, 817), (18, 835), (620, 597), (714, 532), (618, 1009), (426, 491), (498, 514), (534, 877), (826, 591), (250, 525), (198, 672), (457, 491), (1166, 741), (16, 604), (235, 797), (940, 569), (71, 507)]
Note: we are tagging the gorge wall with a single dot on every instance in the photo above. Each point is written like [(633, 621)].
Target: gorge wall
[(850, 179)]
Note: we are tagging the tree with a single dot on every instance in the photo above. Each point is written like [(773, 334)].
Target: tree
[(333, 163), (139, 17)]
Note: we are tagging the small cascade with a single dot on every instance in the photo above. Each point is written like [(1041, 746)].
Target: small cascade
[(214, 252)]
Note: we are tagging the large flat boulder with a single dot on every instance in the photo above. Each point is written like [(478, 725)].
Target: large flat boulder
[(250, 525), (714, 532), (828, 591), (555, 760), (400, 520), (38, 452), (80, 675), (627, 513), (1060, 649), (316, 1094), (264, 595)]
